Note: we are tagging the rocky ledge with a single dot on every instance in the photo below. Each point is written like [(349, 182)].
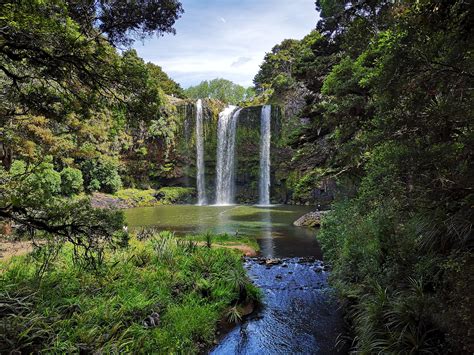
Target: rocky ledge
[(310, 219)]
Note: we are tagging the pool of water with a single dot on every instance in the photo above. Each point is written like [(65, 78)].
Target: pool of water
[(272, 226)]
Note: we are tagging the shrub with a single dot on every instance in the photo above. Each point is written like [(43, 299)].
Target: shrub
[(136, 197), (101, 175), (169, 195), (71, 181)]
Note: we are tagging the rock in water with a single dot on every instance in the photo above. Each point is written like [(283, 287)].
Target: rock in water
[(310, 219)]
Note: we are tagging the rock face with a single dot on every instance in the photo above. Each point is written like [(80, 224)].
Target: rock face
[(310, 219), (293, 181), (100, 200)]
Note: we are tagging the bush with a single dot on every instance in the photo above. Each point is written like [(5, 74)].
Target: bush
[(101, 175), (136, 197), (72, 182), (169, 195)]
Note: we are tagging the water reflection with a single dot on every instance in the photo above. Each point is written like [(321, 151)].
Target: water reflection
[(266, 239), (272, 227)]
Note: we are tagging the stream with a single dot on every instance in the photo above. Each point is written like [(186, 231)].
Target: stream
[(299, 314)]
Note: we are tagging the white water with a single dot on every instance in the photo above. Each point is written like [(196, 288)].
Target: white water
[(225, 171), (200, 177), (265, 136)]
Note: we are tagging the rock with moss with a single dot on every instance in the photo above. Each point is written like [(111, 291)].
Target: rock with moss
[(310, 219)]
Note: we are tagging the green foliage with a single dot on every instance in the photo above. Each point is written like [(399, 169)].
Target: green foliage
[(72, 182), (138, 198), (37, 185), (169, 195), (101, 175), (168, 85), (220, 89), (72, 310), (225, 239), (388, 96), (276, 69), (304, 186)]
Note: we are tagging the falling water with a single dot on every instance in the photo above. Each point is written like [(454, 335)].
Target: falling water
[(225, 184), (201, 180), (265, 135)]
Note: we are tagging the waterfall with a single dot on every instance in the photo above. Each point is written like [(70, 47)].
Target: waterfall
[(200, 177), (225, 171), (265, 135)]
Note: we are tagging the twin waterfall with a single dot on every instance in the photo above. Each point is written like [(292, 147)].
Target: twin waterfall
[(225, 170)]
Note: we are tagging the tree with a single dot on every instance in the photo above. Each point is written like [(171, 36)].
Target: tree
[(389, 93), (220, 89), (169, 86), (277, 65), (63, 96)]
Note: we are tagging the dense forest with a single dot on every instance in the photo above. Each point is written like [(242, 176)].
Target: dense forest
[(375, 121), (387, 90)]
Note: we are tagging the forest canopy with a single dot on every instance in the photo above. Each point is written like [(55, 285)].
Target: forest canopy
[(220, 89)]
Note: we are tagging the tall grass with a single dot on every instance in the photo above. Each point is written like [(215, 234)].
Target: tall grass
[(186, 288)]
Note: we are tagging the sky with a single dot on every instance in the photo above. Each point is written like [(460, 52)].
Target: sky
[(226, 38)]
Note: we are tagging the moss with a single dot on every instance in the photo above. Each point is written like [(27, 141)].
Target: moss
[(183, 287), (170, 195), (137, 198)]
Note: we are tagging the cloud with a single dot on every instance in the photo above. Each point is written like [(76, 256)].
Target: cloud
[(240, 61), (205, 49)]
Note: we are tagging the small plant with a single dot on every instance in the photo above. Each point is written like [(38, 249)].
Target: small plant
[(188, 246), (146, 233), (208, 240), (238, 279), (233, 315), (71, 181)]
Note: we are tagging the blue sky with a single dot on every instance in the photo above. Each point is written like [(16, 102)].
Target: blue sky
[(227, 38)]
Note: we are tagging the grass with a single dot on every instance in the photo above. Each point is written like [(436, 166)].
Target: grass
[(225, 239), (184, 288)]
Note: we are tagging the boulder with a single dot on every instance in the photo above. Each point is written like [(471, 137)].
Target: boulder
[(310, 219)]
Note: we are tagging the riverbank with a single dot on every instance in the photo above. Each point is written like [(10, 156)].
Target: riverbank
[(130, 198), (161, 294)]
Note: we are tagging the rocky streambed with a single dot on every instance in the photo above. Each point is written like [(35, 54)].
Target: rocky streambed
[(299, 314)]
